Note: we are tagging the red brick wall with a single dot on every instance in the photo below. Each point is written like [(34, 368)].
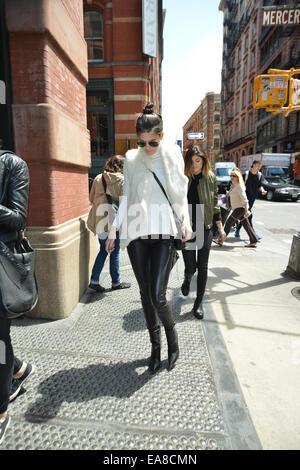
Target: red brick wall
[(56, 194), (42, 73), (123, 43)]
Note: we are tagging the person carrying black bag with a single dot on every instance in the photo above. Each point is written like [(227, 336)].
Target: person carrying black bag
[(14, 185)]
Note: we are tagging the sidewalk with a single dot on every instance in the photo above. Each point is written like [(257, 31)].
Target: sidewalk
[(92, 390)]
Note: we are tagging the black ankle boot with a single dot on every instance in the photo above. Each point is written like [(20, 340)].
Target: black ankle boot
[(155, 362), (185, 288), (198, 310), (173, 349)]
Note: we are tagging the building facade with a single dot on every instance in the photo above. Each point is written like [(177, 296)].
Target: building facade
[(240, 51), (206, 119), (279, 48), (73, 76), (250, 49), (122, 79)]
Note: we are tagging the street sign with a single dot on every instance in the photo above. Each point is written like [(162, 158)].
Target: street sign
[(195, 135), (276, 16)]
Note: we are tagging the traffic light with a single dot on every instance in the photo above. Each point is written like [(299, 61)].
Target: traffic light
[(273, 90)]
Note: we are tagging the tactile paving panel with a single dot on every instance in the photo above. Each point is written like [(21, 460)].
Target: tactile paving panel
[(92, 389)]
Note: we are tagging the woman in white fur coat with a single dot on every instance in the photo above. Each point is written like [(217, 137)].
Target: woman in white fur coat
[(147, 226)]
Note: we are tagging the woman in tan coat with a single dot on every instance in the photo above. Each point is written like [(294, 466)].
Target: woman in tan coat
[(106, 190), (240, 209)]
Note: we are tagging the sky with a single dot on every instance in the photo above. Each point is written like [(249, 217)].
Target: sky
[(193, 42)]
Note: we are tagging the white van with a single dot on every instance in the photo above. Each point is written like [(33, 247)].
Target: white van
[(222, 172)]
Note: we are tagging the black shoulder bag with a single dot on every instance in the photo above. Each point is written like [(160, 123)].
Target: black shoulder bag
[(178, 243), (18, 286)]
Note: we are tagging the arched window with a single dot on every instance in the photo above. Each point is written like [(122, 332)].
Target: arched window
[(93, 34)]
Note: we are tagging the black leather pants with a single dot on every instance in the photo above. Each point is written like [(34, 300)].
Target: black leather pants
[(151, 260), (198, 259)]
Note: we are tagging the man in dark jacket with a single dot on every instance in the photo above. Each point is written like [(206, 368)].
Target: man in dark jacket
[(14, 184), (254, 184)]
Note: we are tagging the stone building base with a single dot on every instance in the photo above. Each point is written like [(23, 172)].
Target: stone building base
[(64, 258)]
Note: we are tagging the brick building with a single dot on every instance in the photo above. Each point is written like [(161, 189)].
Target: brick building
[(249, 49), (121, 78), (279, 48), (240, 52), (72, 77), (206, 119)]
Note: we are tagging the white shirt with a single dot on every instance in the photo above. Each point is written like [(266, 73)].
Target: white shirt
[(160, 219)]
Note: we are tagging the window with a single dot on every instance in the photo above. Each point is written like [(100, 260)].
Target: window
[(93, 34), (250, 123), (252, 63), (99, 98), (254, 26), (237, 104), (251, 90), (244, 98)]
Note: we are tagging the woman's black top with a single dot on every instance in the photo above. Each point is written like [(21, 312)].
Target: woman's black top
[(193, 197)]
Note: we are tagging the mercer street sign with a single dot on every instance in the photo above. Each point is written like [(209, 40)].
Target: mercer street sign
[(195, 135), (277, 16)]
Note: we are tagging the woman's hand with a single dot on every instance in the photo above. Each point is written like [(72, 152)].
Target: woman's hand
[(222, 235), (247, 214), (110, 242), (185, 233)]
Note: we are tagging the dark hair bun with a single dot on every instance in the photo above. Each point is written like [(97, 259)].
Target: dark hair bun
[(148, 109)]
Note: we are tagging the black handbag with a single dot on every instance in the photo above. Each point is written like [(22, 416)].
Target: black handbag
[(18, 286), (178, 243)]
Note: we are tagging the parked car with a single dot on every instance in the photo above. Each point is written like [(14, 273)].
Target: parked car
[(278, 188)]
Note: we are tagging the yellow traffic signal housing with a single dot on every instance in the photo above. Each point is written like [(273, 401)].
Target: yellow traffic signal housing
[(273, 90), (270, 90)]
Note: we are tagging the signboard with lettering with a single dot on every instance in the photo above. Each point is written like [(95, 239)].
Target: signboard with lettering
[(150, 18), (280, 16), (195, 135)]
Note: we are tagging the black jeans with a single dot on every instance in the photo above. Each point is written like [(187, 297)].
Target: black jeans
[(251, 202), (151, 261), (198, 259), (9, 364)]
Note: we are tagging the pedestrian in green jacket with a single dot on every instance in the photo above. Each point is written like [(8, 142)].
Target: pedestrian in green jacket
[(202, 190)]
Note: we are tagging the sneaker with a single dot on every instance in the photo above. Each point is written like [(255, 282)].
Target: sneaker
[(18, 383), (237, 234), (258, 237), (96, 287), (3, 427), (122, 285)]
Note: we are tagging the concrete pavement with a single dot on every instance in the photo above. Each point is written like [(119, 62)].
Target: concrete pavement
[(235, 385), (259, 318), (92, 390)]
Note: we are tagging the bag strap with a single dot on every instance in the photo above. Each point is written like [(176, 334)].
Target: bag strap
[(4, 251), (108, 197), (163, 190)]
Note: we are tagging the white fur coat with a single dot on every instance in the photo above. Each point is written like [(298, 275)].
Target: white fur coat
[(138, 182)]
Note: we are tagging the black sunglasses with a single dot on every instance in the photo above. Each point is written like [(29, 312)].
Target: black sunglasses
[(152, 143)]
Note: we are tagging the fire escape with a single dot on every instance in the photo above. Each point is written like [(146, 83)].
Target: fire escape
[(234, 31)]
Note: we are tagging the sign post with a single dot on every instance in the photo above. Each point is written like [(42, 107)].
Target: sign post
[(195, 135)]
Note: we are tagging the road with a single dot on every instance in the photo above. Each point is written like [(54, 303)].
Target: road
[(259, 317)]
